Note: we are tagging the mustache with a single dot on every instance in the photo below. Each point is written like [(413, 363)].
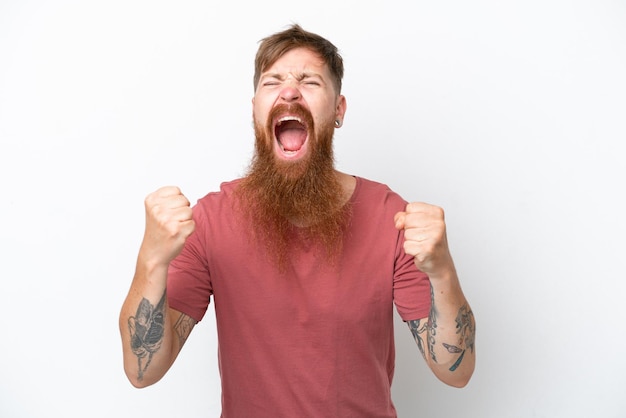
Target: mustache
[(292, 109)]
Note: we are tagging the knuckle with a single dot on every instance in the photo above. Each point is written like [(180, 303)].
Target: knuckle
[(413, 207)]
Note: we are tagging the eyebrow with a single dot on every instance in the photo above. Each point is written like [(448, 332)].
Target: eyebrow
[(300, 76)]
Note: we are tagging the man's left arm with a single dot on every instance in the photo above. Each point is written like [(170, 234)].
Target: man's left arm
[(446, 337)]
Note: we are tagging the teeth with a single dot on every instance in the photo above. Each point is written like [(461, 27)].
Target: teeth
[(287, 118), (285, 151)]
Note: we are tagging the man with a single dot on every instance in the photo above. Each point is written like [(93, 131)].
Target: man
[(304, 264)]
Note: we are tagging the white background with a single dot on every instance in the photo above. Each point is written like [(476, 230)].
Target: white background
[(509, 114)]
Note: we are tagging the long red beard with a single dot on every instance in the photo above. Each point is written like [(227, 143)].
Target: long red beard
[(291, 203)]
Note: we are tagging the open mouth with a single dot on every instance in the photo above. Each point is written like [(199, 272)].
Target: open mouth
[(291, 134)]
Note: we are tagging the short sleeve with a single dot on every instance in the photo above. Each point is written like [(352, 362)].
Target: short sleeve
[(411, 287), (188, 281)]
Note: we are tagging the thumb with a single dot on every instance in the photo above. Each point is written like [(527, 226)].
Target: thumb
[(398, 220)]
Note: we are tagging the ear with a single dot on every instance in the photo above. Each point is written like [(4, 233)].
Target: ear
[(341, 107)]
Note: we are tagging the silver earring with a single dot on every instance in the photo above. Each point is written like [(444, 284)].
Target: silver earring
[(337, 123)]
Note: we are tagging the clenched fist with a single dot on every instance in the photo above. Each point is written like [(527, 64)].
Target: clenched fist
[(168, 225), (425, 237)]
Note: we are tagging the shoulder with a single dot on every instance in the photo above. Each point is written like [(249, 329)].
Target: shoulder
[(373, 192), (218, 201), (226, 191)]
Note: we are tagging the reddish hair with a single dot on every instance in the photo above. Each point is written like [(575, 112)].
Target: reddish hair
[(275, 46)]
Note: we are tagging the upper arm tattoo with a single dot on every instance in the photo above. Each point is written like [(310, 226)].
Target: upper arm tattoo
[(146, 332)]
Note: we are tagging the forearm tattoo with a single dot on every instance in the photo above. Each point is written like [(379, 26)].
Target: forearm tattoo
[(432, 326), (146, 332), (183, 326), (465, 328), (417, 329)]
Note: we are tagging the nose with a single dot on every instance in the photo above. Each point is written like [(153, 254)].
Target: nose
[(290, 93)]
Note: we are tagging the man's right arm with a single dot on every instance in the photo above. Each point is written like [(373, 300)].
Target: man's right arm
[(152, 333)]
